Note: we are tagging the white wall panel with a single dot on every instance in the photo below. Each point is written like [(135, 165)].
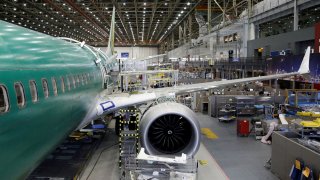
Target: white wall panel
[(136, 52), (266, 5), (213, 45)]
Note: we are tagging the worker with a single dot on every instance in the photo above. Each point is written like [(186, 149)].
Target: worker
[(267, 138)]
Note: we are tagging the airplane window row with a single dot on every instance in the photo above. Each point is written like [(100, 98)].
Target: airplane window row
[(71, 81)]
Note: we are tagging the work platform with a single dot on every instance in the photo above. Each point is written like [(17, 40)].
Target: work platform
[(105, 167)]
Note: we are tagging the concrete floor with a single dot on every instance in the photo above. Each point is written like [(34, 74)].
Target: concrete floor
[(241, 158), (104, 163), (232, 157)]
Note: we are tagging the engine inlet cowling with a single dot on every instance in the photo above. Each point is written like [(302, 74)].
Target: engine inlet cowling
[(170, 128)]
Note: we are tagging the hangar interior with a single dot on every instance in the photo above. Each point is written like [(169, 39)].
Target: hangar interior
[(160, 89)]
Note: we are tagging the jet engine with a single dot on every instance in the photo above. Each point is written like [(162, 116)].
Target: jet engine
[(170, 128)]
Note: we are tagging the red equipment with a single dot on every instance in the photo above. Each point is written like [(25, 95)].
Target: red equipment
[(243, 128)]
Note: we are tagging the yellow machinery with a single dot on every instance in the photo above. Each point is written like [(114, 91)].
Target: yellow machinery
[(311, 124), (308, 114)]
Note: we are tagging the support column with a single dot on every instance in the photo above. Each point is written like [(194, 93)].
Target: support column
[(249, 8), (317, 38), (172, 40), (190, 27), (166, 45), (256, 31), (224, 13), (184, 32), (245, 38), (275, 86), (180, 35), (222, 74), (209, 16), (270, 83), (252, 72), (251, 31), (293, 84), (295, 16), (218, 38), (144, 80)]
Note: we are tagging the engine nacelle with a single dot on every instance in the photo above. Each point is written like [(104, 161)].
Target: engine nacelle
[(170, 128)]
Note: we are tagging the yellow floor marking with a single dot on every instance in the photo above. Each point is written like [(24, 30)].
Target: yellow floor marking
[(203, 162), (208, 133)]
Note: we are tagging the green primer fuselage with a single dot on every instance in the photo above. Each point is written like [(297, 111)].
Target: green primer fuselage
[(30, 133)]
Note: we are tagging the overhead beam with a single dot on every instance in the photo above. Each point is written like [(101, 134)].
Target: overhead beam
[(154, 8), (104, 19), (54, 6), (77, 8), (168, 18), (136, 14), (231, 8), (31, 13), (187, 14), (222, 9), (119, 12)]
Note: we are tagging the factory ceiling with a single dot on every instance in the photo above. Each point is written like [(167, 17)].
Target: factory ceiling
[(138, 22)]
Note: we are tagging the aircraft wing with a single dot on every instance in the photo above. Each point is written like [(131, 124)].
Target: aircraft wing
[(211, 85), (109, 103), (144, 59), (129, 73)]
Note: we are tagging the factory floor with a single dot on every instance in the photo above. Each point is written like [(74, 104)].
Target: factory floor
[(227, 156), (241, 158)]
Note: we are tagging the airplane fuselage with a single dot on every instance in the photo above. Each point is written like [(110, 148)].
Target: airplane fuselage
[(31, 127)]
